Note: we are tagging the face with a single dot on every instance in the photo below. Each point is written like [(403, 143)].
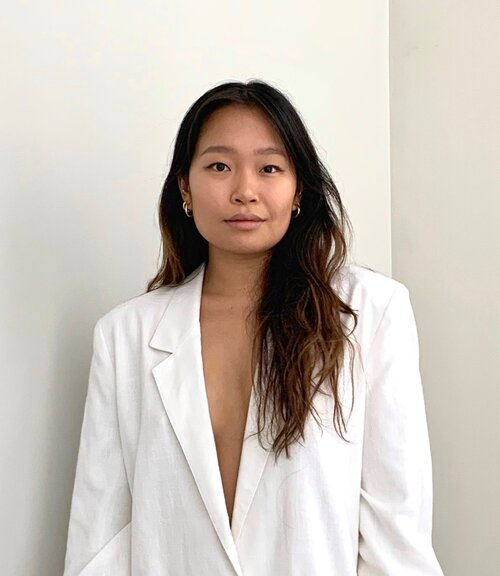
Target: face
[(240, 168)]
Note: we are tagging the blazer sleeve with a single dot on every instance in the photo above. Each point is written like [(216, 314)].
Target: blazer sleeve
[(395, 522), (99, 524)]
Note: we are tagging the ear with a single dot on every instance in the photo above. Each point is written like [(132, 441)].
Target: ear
[(298, 194), (184, 188)]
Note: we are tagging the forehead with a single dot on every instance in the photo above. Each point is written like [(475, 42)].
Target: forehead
[(238, 123)]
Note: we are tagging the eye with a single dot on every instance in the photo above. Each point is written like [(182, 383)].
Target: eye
[(217, 164), (278, 169), (272, 166)]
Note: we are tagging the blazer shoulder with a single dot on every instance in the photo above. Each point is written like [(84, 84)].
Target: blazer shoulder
[(368, 292), (139, 309), (364, 285)]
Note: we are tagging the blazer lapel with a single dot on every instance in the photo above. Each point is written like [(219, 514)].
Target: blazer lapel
[(252, 463), (181, 385)]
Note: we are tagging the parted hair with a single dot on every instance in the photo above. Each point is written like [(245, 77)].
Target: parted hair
[(302, 335)]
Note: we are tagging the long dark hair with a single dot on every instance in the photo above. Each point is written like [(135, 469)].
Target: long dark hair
[(299, 315)]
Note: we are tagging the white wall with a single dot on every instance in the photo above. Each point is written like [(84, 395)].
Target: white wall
[(445, 145), (92, 95)]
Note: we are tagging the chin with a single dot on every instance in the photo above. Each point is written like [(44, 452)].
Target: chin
[(243, 248)]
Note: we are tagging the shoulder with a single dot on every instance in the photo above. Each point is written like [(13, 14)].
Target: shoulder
[(136, 312), (364, 287), (372, 295), (148, 308)]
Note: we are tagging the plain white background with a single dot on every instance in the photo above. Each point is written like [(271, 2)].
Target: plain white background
[(402, 114), (445, 144)]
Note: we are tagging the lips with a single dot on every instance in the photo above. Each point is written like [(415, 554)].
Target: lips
[(245, 218)]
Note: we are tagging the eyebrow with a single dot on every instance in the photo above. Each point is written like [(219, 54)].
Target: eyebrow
[(261, 151)]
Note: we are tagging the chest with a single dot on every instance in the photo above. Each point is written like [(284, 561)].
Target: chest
[(226, 343)]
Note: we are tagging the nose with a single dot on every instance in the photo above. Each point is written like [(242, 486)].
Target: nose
[(245, 188)]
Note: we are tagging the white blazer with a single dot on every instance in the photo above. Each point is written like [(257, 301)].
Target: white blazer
[(148, 497)]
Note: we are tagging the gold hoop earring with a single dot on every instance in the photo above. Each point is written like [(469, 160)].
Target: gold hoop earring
[(189, 214), (185, 207), (296, 213)]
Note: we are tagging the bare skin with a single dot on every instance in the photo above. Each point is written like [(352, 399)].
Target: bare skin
[(226, 350)]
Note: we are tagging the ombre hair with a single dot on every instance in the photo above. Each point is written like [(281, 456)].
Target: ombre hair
[(301, 338)]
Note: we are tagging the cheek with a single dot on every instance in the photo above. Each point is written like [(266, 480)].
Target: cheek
[(282, 210), (204, 197), (280, 219), (208, 206), (208, 213)]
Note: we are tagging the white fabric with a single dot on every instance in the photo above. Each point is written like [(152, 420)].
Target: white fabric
[(148, 497)]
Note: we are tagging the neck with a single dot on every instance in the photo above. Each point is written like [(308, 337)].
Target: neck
[(234, 276)]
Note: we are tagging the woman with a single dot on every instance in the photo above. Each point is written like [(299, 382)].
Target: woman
[(259, 410)]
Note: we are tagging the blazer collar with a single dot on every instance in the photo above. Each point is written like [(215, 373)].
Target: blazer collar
[(181, 384), (182, 313)]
